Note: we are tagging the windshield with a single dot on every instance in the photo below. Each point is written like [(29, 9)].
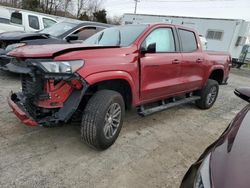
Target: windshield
[(58, 29), (117, 36)]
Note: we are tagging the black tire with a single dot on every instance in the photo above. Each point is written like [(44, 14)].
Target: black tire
[(208, 94), (96, 119)]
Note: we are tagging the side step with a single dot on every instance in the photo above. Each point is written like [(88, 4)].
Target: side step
[(145, 112)]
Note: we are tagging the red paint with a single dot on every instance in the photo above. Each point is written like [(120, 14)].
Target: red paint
[(58, 94), (151, 76), (21, 114)]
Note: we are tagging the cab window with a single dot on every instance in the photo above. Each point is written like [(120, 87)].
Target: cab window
[(188, 41), (33, 22), (163, 39), (48, 22), (85, 32), (16, 18)]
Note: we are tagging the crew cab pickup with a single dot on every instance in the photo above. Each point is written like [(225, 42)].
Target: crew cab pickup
[(27, 21), (150, 67)]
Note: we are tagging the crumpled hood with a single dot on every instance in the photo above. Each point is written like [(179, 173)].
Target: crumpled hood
[(20, 35), (48, 51), (230, 160)]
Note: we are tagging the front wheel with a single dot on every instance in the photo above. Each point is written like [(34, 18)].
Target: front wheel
[(208, 94), (102, 119)]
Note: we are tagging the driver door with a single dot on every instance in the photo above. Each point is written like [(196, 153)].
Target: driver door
[(160, 65)]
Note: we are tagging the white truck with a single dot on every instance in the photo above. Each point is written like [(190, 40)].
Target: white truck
[(21, 20)]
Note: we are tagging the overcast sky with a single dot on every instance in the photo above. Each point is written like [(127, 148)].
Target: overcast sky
[(197, 8)]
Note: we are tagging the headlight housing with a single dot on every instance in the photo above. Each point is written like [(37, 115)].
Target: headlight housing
[(14, 46), (62, 66), (202, 179)]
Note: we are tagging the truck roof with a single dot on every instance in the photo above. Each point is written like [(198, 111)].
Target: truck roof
[(206, 18), (33, 12), (166, 24)]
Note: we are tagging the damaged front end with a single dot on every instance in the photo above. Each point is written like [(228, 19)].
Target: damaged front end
[(51, 91)]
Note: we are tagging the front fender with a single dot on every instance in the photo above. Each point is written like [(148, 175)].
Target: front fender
[(114, 75)]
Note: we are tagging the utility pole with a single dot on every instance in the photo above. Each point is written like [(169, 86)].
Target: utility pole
[(136, 1)]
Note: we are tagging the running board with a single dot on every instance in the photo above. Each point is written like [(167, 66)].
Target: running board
[(145, 112)]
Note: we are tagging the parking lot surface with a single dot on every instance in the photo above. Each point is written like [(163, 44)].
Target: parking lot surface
[(154, 151)]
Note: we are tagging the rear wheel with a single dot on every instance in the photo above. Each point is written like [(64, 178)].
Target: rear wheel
[(208, 95), (102, 119)]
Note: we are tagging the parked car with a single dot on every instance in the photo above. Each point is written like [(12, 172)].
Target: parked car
[(60, 33), (133, 65), (5, 15), (225, 163), (21, 20)]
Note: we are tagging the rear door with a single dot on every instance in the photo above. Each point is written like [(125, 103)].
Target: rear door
[(33, 23), (192, 66), (160, 69)]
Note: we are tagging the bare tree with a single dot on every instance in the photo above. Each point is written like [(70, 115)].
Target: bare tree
[(93, 6), (81, 4), (115, 20), (66, 4)]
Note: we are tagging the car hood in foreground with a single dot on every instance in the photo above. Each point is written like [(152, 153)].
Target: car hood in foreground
[(20, 35), (230, 156), (230, 159), (48, 51)]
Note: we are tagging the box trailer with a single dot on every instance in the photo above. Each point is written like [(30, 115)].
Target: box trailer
[(226, 35)]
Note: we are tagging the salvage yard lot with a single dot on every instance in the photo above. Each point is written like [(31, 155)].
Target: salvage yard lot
[(154, 151)]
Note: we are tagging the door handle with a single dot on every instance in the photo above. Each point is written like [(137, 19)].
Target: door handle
[(199, 60), (176, 61)]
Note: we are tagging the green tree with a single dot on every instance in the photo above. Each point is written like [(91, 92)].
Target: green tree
[(100, 16), (84, 16)]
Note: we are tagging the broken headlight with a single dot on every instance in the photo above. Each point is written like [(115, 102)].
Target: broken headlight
[(62, 66)]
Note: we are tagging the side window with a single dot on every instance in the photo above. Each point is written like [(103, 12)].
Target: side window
[(33, 22), (85, 32), (48, 22), (100, 29), (188, 41), (16, 18), (163, 38)]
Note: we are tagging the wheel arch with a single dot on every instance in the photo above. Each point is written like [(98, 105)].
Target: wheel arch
[(217, 74), (118, 81)]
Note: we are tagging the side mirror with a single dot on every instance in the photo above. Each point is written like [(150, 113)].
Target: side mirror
[(71, 37), (243, 93), (151, 48)]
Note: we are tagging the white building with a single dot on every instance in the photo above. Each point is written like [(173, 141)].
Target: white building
[(228, 35)]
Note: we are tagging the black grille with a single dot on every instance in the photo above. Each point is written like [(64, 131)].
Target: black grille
[(31, 108), (31, 86)]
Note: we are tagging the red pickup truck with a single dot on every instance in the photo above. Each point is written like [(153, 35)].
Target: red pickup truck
[(151, 67)]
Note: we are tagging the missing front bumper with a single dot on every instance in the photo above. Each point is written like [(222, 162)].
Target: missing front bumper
[(62, 115), (19, 111)]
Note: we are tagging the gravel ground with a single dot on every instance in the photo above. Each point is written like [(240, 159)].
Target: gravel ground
[(154, 151)]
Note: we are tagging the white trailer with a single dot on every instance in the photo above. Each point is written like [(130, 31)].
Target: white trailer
[(227, 35)]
